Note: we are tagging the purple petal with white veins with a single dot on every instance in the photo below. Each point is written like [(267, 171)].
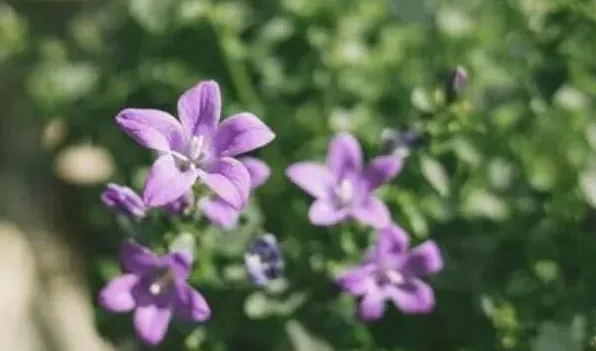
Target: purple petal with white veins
[(372, 305), (230, 180), (166, 182), (357, 281), (413, 297), (241, 133), (220, 212), (153, 129), (136, 258), (258, 170), (391, 240), (424, 259), (312, 177), (372, 212), (117, 295), (151, 323), (199, 108), (190, 305), (380, 170), (345, 156), (324, 213)]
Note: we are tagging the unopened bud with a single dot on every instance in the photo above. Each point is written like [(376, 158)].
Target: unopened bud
[(456, 83), (400, 143)]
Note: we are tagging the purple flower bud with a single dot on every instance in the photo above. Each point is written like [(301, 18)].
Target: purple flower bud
[(124, 200), (456, 83), (263, 260)]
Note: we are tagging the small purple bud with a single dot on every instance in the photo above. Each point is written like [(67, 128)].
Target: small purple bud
[(180, 206), (263, 260), (124, 200), (400, 143), (456, 83)]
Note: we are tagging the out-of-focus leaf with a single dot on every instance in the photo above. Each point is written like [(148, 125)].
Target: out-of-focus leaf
[(303, 340), (435, 174)]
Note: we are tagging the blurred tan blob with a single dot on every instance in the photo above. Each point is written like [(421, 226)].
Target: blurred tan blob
[(53, 133), (84, 165)]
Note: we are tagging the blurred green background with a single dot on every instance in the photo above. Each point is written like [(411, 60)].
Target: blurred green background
[(506, 184)]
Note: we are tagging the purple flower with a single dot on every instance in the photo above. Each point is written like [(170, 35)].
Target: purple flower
[(391, 272), (344, 188), (124, 200), (263, 260), (196, 147), (155, 288), (182, 205), (221, 213)]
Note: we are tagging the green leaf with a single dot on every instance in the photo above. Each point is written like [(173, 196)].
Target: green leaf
[(303, 340), (435, 174)]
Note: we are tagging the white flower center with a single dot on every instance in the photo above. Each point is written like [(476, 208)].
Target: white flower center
[(394, 277), (345, 192), (163, 280), (195, 153), (195, 147)]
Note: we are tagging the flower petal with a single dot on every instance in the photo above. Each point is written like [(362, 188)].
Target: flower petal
[(220, 212), (180, 263), (345, 155), (380, 170), (312, 177), (241, 133), (414, 297), (151, 323), (258, 170), (124, 200), (166, 182), (181, 206), (190, 304), (372, 212), (391, 240), (229, 179), (199, 108), (323, 213), (424, 259), (117, 295), (372, 305), (136, 258), (357, 281), (153, 129)]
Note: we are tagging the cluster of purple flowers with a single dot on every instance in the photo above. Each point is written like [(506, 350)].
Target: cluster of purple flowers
[(201, 165)]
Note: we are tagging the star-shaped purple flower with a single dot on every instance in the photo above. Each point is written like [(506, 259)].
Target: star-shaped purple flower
[(197, 147), (220, 212), (391, 272), (124, 200), (155, 288), (343, 188)]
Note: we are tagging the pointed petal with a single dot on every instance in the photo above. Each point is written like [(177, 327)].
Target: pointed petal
[(258, 170), (372, 212), (117, 295), (191, 305), (166, 182), (424, 259), (199, 108), (380, 170), (153, 129), (229, 179), (372, 305), (136, 258), (151, 323), (345, 156), (357, 281), (241, 133), (312, 177), (324, 213), (392, 240), (414, 297), (180, 263), (220, 212)]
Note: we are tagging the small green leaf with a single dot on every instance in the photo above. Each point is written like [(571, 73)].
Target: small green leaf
[(435, 174)]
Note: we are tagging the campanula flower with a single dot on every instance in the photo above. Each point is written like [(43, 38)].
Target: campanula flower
[(263, 260), (197, 147), (155, 288), (392, 272), (220, 212), (343, 188), (124, 200)]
